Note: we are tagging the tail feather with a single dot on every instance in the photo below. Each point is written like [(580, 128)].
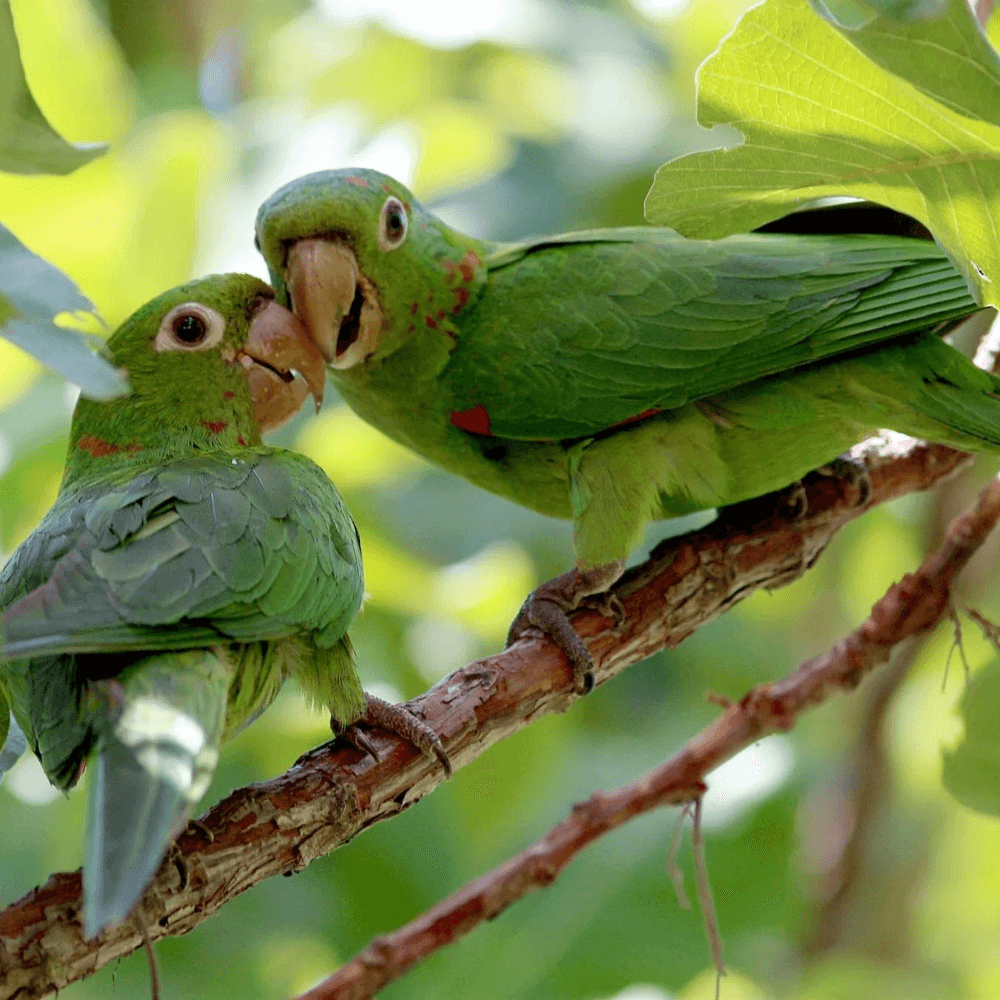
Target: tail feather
[(957, 396), (14, 744), (156, 754)]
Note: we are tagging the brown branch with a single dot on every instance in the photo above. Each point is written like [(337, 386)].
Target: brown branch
[(909, 608), (280, 825)]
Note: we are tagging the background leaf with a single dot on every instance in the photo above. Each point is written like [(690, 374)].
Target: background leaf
[(972, 769), (820, 118), (28, 143), (32, 294)]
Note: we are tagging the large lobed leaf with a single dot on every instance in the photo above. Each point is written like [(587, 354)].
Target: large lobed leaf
[(904, 113), (28, 143), (32, 294)]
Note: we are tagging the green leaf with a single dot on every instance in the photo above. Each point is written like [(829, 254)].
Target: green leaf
[(972, 769), (827, 112), (855, 14), (28, 143), (32, 294)]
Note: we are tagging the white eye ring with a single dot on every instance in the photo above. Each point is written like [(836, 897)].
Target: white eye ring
[(392, 224), (190, 326)]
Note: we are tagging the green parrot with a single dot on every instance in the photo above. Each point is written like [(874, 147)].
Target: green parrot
[(618, 376), (183, 573)]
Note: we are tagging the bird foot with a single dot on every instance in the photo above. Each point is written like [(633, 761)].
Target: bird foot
[(546, 608), (854, 472), (798, 500), (395, 719), (611, 607), (195, 827), (174, 857)]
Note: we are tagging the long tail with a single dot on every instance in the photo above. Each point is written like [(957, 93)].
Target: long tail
[(949, 400), (157, 748)]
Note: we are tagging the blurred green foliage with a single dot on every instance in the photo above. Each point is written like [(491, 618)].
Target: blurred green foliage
[(33, 294), (511, 118)]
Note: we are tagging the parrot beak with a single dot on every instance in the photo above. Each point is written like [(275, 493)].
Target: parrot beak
[(278, 346), (335, 301)]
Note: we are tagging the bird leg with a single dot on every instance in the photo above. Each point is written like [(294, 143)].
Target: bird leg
[(547, 608), (395, 719)]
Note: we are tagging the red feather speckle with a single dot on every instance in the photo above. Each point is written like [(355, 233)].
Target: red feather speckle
[(99, 448), (475, 421)]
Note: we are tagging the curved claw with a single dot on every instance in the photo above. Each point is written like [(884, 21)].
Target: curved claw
[(547, 606), (546, 614), (400, 720)]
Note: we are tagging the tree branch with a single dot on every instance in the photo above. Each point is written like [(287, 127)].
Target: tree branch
[(280, 825), (909, 608)]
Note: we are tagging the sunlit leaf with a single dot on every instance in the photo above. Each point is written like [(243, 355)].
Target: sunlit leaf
[(28, 143), (855, 14), (32, 294), (972, 769), (821, 118)]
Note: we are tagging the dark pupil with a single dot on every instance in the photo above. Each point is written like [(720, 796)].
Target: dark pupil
[(395, 223), (189, 329)]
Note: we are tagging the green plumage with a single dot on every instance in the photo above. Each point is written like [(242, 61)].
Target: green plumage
[(618, 376), (184, 572)]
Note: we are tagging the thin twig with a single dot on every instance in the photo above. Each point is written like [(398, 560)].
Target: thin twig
[(909, 608), (279, 826), (705, 898), (673, 868), (154, 966)]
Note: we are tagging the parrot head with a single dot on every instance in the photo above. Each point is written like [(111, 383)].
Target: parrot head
[(212, 364), (363, 264)]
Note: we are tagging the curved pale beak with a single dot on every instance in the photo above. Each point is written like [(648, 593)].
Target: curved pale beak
[(283, 366), (333, 300)]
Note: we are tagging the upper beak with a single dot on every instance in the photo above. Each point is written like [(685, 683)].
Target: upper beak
[(328, 294), (277, 347)]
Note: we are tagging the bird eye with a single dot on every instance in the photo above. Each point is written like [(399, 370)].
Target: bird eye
[(392, 224), (190, 327)]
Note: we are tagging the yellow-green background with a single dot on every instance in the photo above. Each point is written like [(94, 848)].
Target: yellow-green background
[(511, 118)]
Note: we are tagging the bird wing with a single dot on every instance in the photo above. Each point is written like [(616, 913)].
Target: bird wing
[(580, 333), (206, 550)]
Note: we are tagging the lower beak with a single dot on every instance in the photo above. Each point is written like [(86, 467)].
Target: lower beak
[(282, 365)]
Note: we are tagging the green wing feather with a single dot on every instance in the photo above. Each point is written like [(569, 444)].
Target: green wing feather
[(218, 548), (206, 551), (576, 334)]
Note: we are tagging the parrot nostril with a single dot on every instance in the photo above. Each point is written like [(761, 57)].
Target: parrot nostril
[(350, 325)]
